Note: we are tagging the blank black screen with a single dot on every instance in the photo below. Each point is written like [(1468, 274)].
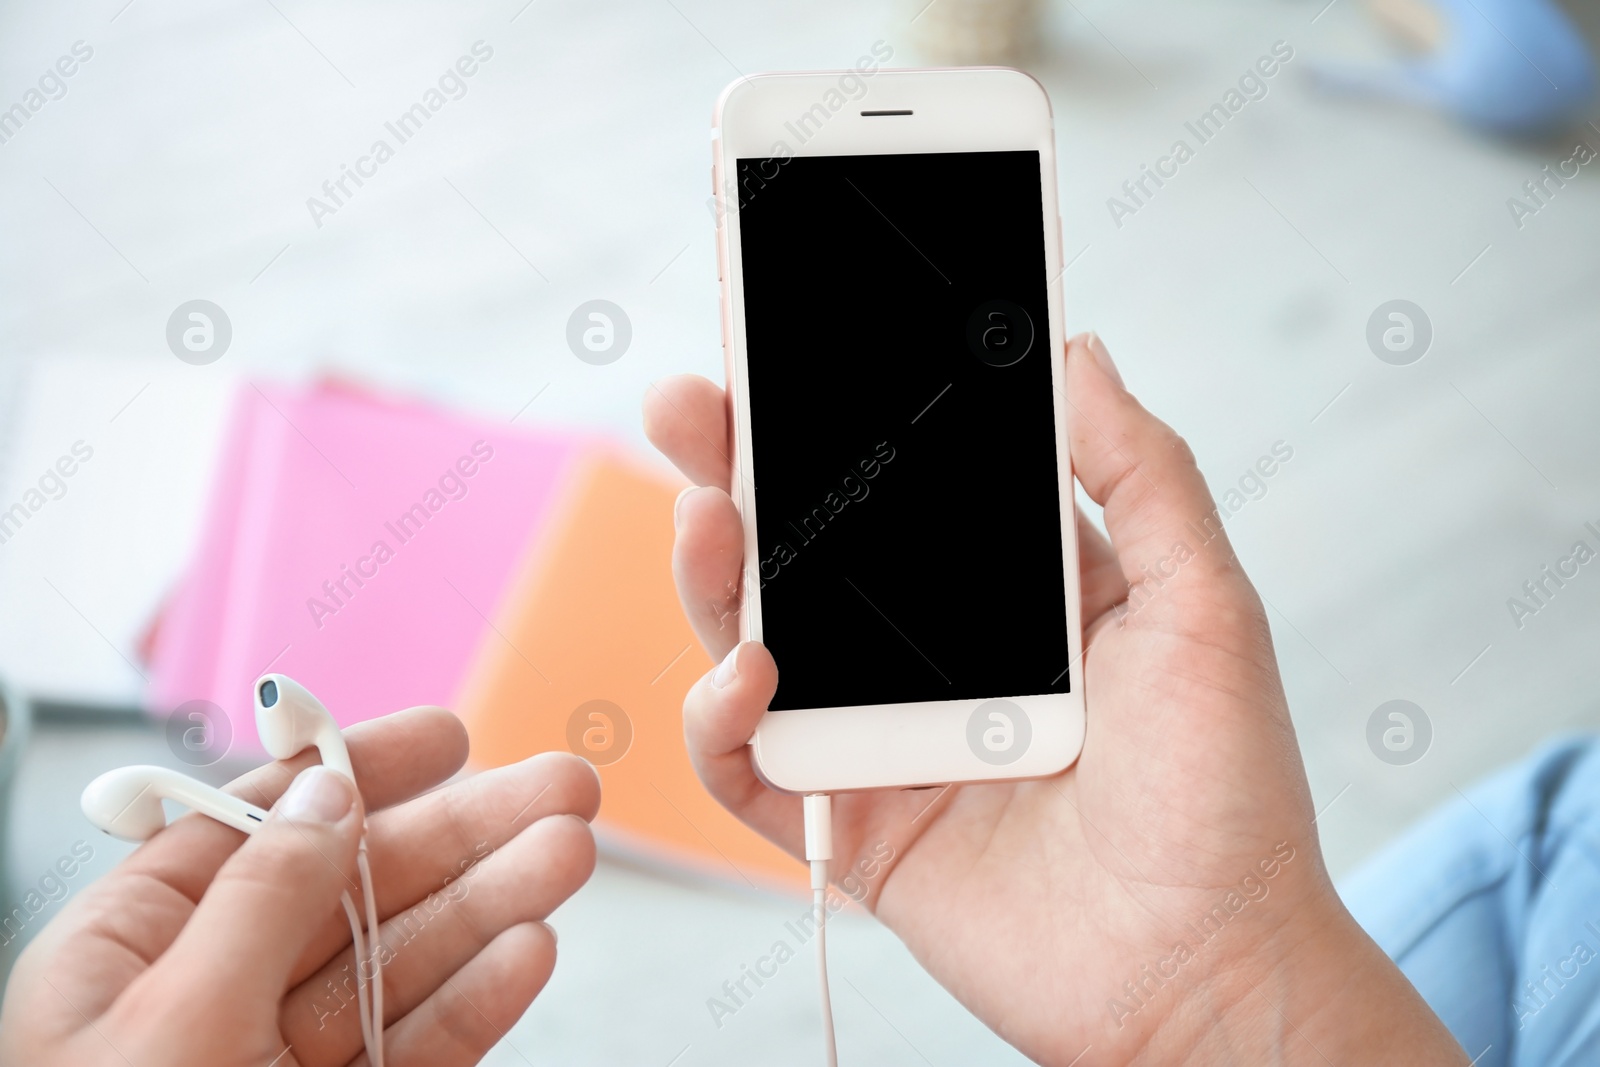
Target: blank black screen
[(906, 498)]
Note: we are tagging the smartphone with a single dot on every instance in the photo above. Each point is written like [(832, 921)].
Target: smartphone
[(890, 258)]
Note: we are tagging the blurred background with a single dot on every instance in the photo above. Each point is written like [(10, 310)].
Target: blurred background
[(1442, 462)]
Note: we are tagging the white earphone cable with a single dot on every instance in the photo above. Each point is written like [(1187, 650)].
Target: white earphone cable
[(820, 909), (818, 809), (374, 945), (358, 948)]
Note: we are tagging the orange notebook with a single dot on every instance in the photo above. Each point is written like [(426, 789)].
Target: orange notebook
[(591, 653)]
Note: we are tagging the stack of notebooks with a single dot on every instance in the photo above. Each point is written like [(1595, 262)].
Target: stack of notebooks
[(387, 554)]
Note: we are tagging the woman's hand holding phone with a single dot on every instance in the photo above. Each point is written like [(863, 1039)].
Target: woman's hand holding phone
[(1165, 899)]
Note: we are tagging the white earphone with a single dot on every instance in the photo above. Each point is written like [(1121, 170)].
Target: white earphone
[(290, 720), (126, 803)]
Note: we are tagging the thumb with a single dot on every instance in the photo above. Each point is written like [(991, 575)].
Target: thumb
[(272, 897), (1158, 511)]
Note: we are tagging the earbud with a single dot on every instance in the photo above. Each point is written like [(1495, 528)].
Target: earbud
[(126, 802), (290, 720)]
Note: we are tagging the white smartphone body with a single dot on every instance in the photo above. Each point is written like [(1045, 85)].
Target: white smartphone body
[(890, 256)]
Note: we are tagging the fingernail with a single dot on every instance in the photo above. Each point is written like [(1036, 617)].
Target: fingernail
[(554, 937), (318, 795), (677, 505), (1103, 357), (727, 670)]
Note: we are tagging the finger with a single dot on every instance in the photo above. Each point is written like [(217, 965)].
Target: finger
[(269, 900), (1158, 511), (720, 715), (706, 559), (466, 1016), (686, 418), (424, 944), (389, 755), (416, 848), (1101, 585)]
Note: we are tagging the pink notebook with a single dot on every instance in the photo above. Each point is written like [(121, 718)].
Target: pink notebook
[(357, 544)]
